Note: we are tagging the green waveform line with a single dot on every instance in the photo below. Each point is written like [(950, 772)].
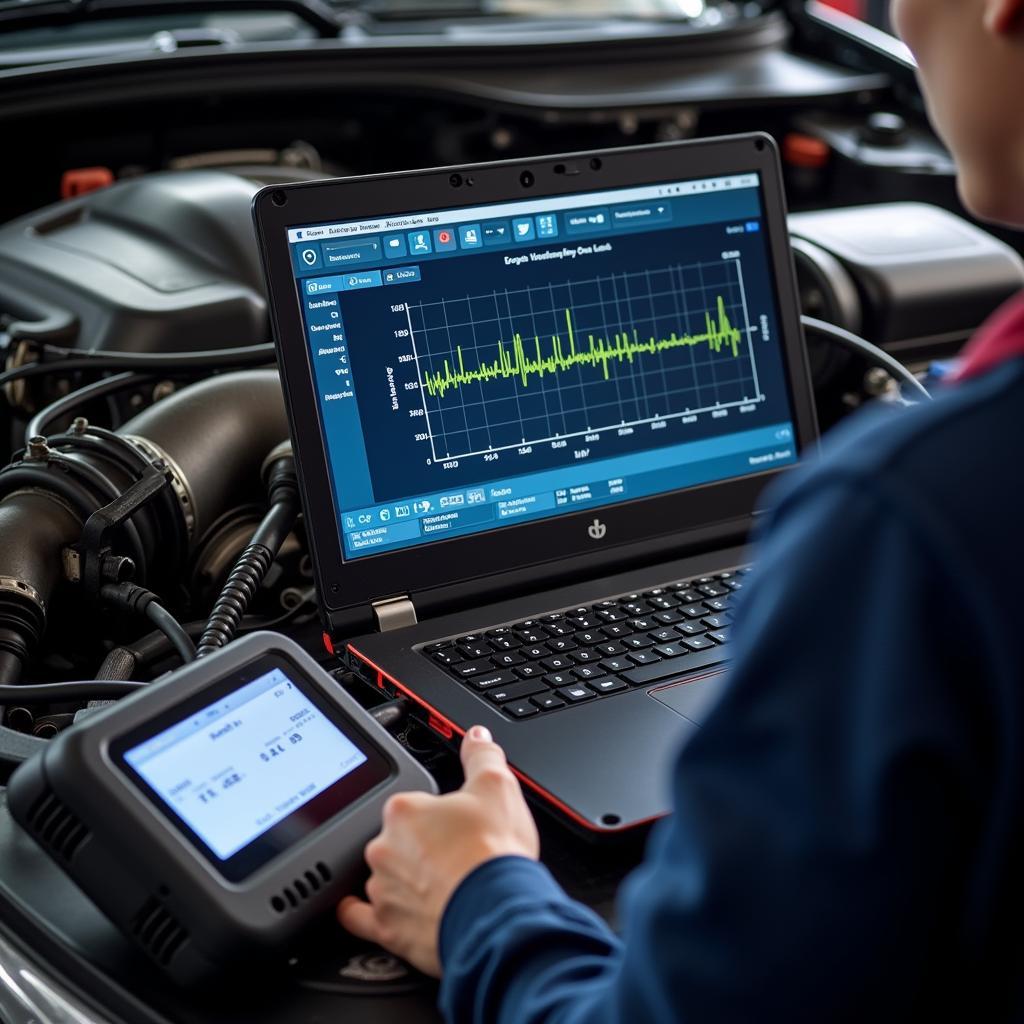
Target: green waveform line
[(623, 347)]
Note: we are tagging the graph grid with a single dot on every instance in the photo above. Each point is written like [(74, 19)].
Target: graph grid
[(527, 366)]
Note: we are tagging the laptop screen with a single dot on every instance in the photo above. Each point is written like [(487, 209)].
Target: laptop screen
[(485, 366)]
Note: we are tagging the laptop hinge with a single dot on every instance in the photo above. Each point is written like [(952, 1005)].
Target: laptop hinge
[(394, 613)]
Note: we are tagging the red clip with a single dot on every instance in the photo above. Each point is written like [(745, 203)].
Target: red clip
[(80, 180)]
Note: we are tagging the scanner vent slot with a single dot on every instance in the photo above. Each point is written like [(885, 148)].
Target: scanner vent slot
[(158, 931), (302, 888), (56, 827)]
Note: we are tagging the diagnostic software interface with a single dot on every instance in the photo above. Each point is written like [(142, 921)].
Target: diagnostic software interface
[(234, 769), (485, 366)]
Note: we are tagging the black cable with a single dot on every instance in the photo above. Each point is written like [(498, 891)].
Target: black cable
[(93, 689), (39, 423), (156, 644), (171, 628), (131, 598), (865, 349), (244, 355), (245, 578), (392, 714)]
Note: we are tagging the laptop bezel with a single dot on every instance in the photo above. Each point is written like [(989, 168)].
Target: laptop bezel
[(344, 584)]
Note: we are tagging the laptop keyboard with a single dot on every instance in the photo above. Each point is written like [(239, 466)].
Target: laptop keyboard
[(562, 659)]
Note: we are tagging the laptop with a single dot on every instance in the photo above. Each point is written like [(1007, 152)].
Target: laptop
[(533, 406)]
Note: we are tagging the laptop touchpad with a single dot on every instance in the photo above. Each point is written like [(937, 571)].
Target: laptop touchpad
[(692, 700)]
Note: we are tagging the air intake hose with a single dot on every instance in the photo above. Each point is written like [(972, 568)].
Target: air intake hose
[(210, 439)]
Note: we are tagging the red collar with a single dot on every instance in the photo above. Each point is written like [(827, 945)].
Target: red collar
[(999, 339)]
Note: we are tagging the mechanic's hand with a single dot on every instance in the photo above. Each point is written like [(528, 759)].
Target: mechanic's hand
[(429, 844)]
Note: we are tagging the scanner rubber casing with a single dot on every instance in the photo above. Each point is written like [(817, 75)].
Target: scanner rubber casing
[(119, 848)]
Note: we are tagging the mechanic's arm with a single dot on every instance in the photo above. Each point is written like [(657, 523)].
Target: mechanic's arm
[(819, 815)]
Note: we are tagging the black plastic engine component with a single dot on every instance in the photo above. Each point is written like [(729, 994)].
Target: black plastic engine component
[(920, 277), (162, 263)]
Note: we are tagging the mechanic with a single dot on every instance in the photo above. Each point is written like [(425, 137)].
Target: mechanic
[(846, 842)]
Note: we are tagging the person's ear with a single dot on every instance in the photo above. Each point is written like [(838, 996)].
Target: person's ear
[(1002, 16)]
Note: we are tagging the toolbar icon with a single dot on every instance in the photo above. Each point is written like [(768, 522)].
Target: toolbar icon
[(444, 240), (419, 507), (419, 242), (547, 225), (522, 229), (469, 236), (309, 257)]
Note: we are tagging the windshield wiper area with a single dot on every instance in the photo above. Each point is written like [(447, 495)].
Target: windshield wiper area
[(22, 14)]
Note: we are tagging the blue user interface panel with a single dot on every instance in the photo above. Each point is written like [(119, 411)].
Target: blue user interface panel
[(237, 767), (486, 366)]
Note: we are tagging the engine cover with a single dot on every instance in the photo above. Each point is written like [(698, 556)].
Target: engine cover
[(162, 263)]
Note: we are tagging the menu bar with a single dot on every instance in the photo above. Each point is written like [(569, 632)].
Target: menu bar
[(466, 215)]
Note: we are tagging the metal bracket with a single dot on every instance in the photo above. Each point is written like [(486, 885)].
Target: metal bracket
[(394, 613), (91, 551)]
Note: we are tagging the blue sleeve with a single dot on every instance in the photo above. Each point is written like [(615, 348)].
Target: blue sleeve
[(813, 867)]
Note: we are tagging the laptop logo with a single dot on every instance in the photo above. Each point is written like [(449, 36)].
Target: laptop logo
[(597, 530)]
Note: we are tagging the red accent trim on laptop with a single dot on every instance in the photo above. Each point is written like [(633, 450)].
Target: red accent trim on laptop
[(439, 722), (328, 643)]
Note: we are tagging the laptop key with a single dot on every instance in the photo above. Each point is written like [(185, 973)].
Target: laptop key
[(636, 607), (575, 694), (486, 680), (675, 667), (507, 659), (547, 701), (520, 709), (698, 643), (617, 664), (499, 631), (642, 625), (607, 685), (720, 636), (638, 642), (529, 670), (671, 650), (585, 654), (561, 644), (611, 615), (644, 657), (688, 596), (515, 691), (506, 643), (532, 636), (588, 672), (669, 618), (694, 611), (448, 657), (560, 679), (472, 668), (558, 629), (588, 637), (475, 650), (584, 621), (439, 646), (663, 636), (712, 590), (691, 628), (734, 584), (618, 629), (717, 604), (663, 603), (610, 649), (533, 653), (557, 663), (719, 621)]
